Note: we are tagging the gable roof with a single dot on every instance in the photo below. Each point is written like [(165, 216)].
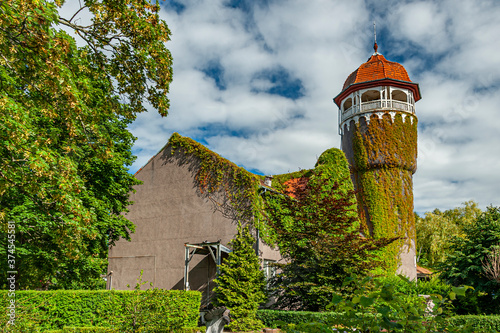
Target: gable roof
[(242, 188)]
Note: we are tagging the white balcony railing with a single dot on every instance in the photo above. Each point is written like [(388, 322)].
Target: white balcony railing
[(378, 105)]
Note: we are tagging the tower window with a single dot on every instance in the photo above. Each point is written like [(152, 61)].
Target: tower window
[(370, 95), (347, 104), (398, 95)]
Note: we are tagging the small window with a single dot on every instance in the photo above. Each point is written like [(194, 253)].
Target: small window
[(370, 95), (398, 95), (347, 104)]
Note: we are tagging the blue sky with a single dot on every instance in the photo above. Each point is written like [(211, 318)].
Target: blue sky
[(254, 82)]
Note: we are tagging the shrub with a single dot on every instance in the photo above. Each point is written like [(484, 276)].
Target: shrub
[(392, 310), (296, 320), (122, 310), (431, 287), (464, 265), (479, 323), (273, 318)]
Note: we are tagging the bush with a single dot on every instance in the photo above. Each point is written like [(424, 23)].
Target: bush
[(432, 287), (464, 265), (392, 310), (272, 318), (84, 330), (479, 323), (297, 319), (123, 310)]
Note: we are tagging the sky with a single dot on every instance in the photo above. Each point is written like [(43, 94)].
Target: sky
[(254, 82)]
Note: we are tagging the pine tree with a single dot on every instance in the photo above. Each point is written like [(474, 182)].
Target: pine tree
[(241, 284)]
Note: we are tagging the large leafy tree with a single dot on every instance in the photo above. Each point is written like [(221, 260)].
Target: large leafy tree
[(464, 264), (64, 111), (437, 228), (321, 239)]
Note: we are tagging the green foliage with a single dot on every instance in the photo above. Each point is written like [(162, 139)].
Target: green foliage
[(299, 321), (484, 324), (318, 233), (126, 311), (383, 162), (273, 318), (233, 190), (84, 330), (436, 229), (240, 285), (430, 287), (65, 147), (391, 310), (464, 264)]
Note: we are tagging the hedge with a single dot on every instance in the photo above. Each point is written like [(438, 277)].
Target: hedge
[(148, 310), (480, 323), (270, 317), (84, 330)]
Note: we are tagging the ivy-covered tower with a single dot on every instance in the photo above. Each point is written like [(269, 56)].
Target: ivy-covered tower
[(378, 126)]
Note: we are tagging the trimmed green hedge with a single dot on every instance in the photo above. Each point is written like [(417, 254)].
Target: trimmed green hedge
[(270, 317), (96, 311), (84, 330), (480, 323)]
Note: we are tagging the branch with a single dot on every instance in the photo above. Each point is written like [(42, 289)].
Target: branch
[(79, 10)]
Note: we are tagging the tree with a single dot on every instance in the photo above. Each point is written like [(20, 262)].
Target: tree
[(241, 284), (463, 266), (320, 237), (64, 112), (491, 264), (436, 229), (433, 237)]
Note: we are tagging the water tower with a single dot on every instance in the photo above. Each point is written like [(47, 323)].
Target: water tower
[(378, 126)]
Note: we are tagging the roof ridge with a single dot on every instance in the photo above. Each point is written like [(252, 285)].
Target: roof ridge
[(383, 65)]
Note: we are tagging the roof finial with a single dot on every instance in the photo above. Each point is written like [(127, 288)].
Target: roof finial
[(375, 46)]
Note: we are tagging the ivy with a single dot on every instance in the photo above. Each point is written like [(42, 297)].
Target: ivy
[(316, 222), (234, 190), (384, 160)]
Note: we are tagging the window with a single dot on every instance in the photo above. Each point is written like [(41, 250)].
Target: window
[(269, 268), (347, 104), (370, 95), (398, 95)]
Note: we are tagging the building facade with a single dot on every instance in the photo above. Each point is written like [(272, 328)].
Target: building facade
[(173, 214)]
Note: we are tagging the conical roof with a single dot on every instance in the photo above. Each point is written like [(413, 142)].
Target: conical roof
[(378, 71), (377, 68)]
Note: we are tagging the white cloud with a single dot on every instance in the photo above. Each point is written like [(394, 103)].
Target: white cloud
[(451, 48)]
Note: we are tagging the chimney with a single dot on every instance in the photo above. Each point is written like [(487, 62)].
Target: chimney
[(268, 181)]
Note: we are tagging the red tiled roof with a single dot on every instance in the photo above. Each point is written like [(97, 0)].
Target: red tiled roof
[(295, 185), (374, 72), (376, 68)]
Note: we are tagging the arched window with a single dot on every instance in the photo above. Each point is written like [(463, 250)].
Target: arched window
[(347, 104), (398, 95), (370, 95)]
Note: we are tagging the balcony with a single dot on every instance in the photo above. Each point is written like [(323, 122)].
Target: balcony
[(378, 105)]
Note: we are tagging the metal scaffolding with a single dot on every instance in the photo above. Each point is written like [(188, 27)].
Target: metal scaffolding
[(215, 249)]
